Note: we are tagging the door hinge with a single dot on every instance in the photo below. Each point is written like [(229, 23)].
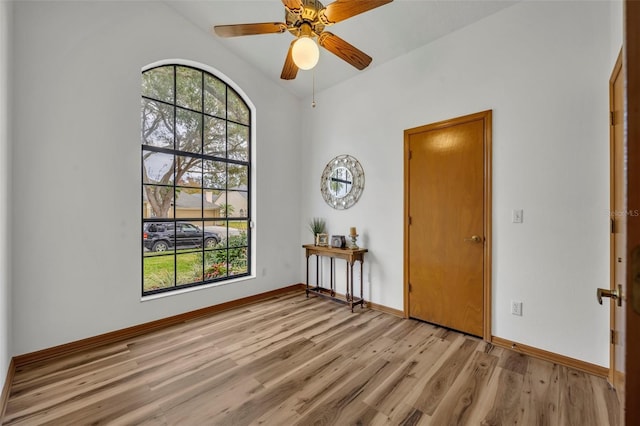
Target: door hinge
[(613, 226), (410, 220), (612, 118), (410, 155), (409, 287), (614, 336)]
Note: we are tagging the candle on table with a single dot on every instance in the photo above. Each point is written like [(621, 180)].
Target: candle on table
[(352, 231)]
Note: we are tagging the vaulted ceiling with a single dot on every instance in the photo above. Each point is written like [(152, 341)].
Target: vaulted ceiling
[(383, 33)]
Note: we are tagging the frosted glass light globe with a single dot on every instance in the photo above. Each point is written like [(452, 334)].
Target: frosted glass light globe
[(305, 53)]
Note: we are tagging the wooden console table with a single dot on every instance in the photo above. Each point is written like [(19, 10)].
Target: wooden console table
[(351, 256)]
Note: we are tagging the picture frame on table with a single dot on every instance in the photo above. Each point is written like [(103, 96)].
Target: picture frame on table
[(322, 240)]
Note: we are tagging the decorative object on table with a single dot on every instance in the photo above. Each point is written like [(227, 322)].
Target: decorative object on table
[(317, 226), (322, 240), (338, 241), (342, 182), (353, 235)]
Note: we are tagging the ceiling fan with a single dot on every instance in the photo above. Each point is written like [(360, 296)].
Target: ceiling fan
[(306, 20)]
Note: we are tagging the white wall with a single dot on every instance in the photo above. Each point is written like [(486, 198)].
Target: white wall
[(543, 68), (6, 21), (616, 29), (76, 175)]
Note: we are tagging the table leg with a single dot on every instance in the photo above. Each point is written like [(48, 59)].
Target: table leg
[(351, 282), (348, 295), (331, 283), (361, 285), (307, 289)]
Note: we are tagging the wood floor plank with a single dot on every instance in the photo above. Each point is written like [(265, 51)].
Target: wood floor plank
[(540, 397), (504, 410), (232, 331), (314, 390), (407, 379), (225, 386), (409, 340), (577, 391), (605, 401), (312, 356), (213, 404), (413, 417), (253, 408), (133, 370), (40, 372), (70, 389), (190, 365), (295, 360), (244, 351), (336, 409), (514, 361), (458, 404), (440, 383), (118, 408), (346, 363), (348, 357), (55, 379)]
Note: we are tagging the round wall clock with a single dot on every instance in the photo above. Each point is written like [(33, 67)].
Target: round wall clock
[(342, 182)]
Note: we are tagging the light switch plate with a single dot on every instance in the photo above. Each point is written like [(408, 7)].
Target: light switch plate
[(517, 216)]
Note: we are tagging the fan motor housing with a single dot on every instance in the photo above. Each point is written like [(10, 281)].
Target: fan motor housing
[(309, 15)]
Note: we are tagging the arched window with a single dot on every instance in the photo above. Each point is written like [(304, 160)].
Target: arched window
[(196, 179)]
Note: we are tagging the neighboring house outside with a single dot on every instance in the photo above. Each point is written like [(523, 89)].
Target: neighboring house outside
[(235, 197), (188, 205)]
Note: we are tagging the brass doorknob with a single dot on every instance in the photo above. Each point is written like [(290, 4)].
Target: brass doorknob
[(474, 239), (614, 294)]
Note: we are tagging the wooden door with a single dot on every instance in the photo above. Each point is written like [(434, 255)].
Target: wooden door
[(619, 216), (631, 73), (447, 205)]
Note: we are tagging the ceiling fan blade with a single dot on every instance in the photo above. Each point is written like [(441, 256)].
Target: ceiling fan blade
[(344, 50), (293, 6), (290, 69), (340, 10), (249, 29)]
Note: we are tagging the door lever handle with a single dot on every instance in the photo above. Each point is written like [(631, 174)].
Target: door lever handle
[(614, 294), (474, 239)]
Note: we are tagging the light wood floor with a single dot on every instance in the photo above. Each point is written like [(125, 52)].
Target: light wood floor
[(291, 360)]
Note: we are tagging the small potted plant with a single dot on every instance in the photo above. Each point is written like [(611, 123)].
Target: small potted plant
[(317, 227)]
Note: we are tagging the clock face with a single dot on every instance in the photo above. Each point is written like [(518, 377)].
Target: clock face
[(342, 182)]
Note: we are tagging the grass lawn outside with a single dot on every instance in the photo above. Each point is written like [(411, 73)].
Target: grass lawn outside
[(240, 224), (159, 269), (160, 272)]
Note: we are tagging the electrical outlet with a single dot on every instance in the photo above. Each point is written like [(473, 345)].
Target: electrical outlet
[(516, 308)]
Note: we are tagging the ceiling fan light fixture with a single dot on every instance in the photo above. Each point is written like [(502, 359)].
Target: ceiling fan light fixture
[(305, 53), (306, 21)]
